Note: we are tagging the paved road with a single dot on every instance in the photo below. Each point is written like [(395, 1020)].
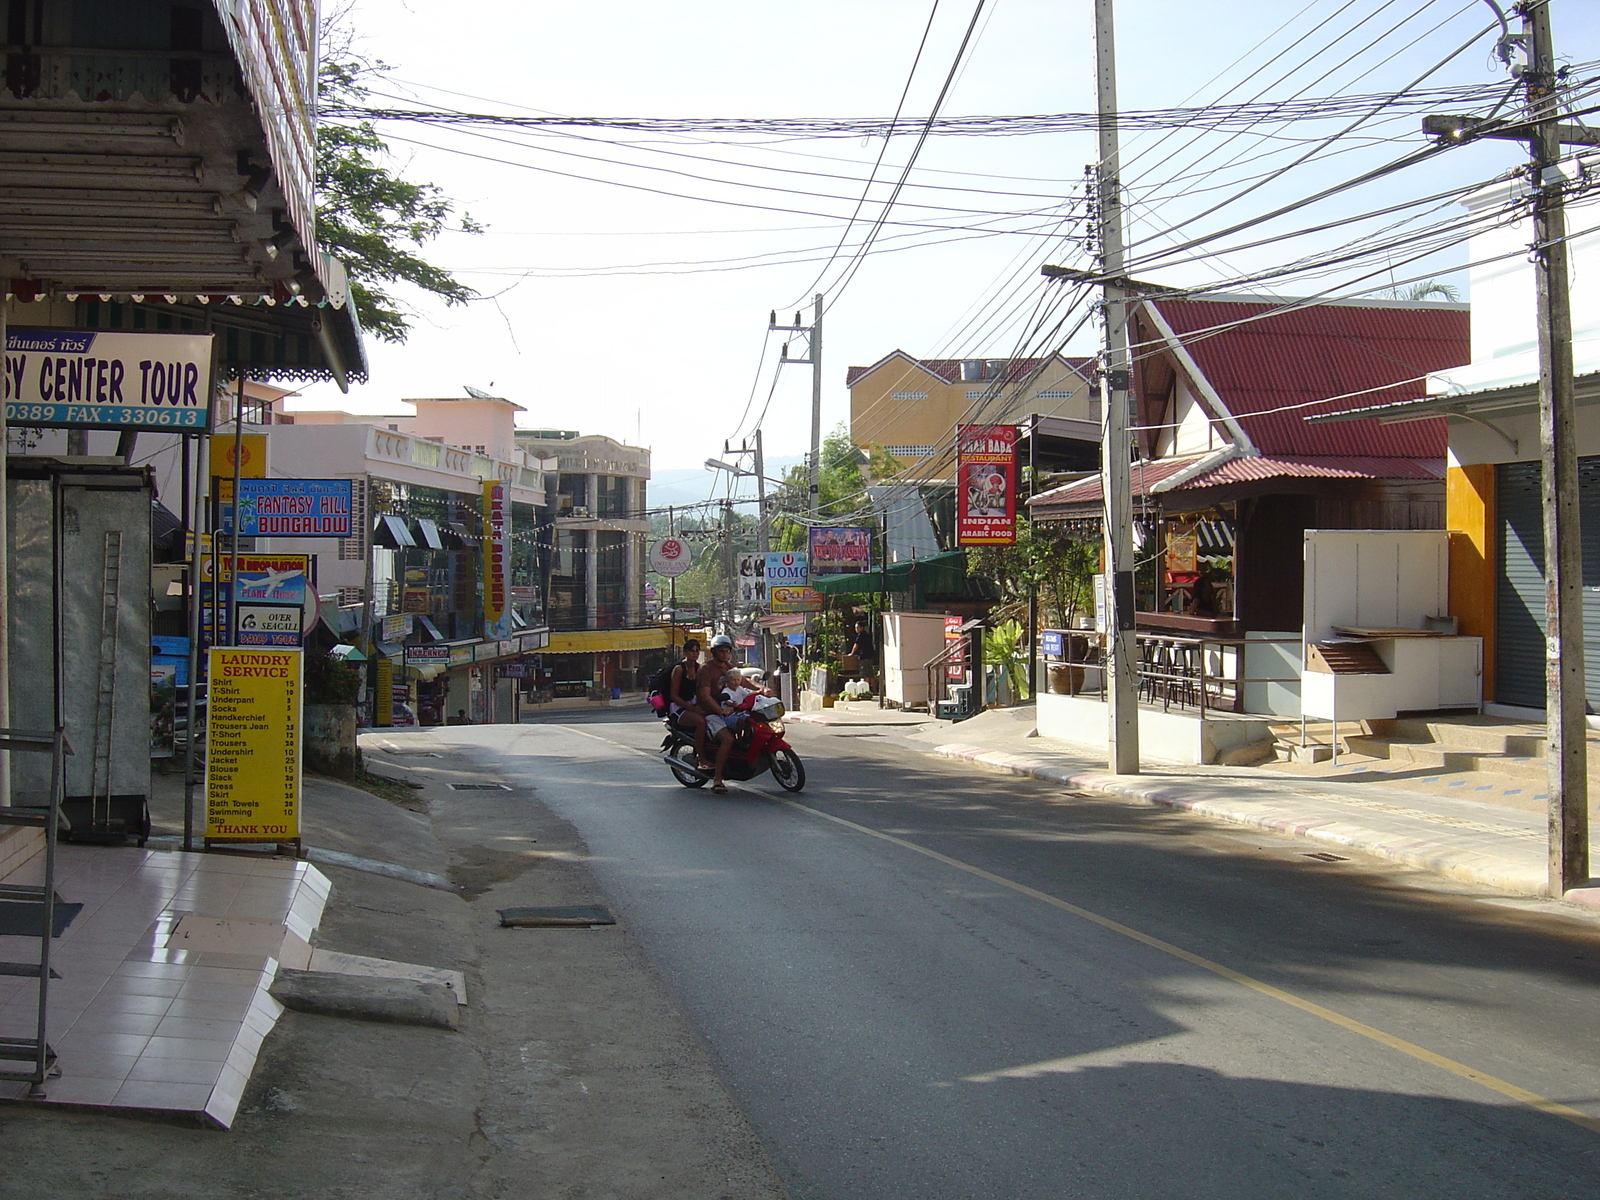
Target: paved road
[(924, 981)]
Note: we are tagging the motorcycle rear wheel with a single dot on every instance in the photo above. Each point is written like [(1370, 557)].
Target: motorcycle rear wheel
[(788, 770), (683, 753)]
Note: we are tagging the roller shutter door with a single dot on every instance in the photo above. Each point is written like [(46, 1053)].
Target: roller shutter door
[(1519, 584)]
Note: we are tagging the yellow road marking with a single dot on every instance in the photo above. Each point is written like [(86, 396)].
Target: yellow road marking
[(1509, 1090)]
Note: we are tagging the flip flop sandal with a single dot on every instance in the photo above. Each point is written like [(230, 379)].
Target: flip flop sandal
[(720, 789)]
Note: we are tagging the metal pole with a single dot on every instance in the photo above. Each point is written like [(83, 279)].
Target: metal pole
[(5, 559), (883, 599), (1566, 751), (1122, 644), (192, 493), (814, 494), (231, 605), (1033, 587)]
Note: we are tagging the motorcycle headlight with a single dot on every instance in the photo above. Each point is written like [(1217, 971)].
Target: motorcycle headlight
[(776, 727)]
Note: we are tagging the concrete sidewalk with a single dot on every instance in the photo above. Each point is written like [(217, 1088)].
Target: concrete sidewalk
[(1473, 843)]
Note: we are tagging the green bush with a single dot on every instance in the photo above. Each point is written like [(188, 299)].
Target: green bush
[(329, 681)]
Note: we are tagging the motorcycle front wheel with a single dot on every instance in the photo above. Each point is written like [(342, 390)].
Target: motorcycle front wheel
[(788, 770), (680, 761)]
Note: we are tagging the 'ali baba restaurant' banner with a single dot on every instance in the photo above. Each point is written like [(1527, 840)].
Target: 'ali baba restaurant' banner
[(496, 561), (986, 475)]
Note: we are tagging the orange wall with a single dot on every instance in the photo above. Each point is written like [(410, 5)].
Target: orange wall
[(1469, 515)]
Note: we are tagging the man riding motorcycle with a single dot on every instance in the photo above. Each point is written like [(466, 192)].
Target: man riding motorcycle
[(720, 716)]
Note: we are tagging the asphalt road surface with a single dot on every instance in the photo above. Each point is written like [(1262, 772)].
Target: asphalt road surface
[(924, 980)]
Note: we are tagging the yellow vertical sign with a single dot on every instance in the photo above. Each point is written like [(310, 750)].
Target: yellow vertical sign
[(383, 698), (253, 745)]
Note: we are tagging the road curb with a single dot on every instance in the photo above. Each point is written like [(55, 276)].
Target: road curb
[(1437, 855)]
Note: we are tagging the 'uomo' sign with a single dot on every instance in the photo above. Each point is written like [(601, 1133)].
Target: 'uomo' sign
[(92, 379)]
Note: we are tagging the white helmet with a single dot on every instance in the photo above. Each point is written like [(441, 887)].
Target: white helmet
[(721, 640)]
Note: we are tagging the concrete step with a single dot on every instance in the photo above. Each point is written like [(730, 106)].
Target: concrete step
[(1469, 733), (1433, 757)]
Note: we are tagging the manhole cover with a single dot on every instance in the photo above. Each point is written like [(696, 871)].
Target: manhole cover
[(1324, 856), (479, 787)]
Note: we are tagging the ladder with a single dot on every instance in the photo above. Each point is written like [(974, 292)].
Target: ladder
[(31, 1060), (105, 699)]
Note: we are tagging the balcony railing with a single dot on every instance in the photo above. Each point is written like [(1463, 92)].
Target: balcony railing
[(1175, 672)]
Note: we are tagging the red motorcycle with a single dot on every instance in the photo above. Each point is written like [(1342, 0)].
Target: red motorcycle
[(758, 746)]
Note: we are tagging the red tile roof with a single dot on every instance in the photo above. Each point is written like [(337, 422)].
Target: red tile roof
[(949, 369), (1145, 475), (1313, 353)]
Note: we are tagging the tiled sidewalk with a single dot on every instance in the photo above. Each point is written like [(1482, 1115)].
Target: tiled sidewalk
[(137, 1024)]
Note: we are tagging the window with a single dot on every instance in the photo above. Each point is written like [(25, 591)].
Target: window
[(1055, 395), (909, 451), (908, 395)]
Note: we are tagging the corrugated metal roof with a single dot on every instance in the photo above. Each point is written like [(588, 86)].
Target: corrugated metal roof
[(1145, 475), (1310, 354), (1243, 470)]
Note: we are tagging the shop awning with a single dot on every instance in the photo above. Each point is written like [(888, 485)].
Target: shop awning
[(600, 641), (346, 654), (940, 574), (429, 534), (391, 533)]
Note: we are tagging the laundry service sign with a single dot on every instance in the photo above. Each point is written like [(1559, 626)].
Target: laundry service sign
[(98, 379)]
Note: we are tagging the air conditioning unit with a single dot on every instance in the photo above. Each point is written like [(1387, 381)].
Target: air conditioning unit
[(579, 510)]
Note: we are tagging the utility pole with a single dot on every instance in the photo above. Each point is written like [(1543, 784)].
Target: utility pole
[(813, 356), (763, 533), (1566, 752), (730, 587), (1565, 749), (1116, 382)]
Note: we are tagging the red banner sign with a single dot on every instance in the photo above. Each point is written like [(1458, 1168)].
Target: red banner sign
[(986, 485)]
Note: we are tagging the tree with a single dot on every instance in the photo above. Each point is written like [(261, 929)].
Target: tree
[(841, 490), (369, 217)]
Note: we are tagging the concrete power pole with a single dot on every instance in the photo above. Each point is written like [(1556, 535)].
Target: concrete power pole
[(1566, 751), (729, 578), (813, 356), (1116, 383)]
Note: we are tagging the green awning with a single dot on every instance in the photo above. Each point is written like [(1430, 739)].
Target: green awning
[(940, 574)]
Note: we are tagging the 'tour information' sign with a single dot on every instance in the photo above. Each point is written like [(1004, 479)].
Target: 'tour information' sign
[(92, 379), (253, 745)]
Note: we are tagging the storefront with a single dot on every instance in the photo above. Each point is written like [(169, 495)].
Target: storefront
[(602, 660)]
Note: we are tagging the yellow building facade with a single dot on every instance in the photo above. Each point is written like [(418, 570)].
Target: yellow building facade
[(911, 406)]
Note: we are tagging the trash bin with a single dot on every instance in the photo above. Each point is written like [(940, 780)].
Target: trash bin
[(616, 693)]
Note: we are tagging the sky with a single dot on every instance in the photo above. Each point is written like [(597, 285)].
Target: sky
[(587, 324)]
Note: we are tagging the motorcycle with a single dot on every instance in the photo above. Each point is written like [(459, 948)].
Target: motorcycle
[(758, 747)]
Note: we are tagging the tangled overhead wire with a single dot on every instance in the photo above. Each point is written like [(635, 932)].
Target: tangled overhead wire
[(1218, 116)]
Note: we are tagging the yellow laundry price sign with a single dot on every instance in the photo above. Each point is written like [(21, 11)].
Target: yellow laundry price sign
[(253, 745)]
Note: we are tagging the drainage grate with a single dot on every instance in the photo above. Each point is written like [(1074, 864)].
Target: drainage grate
[(413, 753), (479, 787), (1324, 856)]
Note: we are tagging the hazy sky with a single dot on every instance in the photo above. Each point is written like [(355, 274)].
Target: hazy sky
[(589, 325)]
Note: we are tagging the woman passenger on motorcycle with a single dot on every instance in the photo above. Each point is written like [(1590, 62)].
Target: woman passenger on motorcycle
[(681, 693)]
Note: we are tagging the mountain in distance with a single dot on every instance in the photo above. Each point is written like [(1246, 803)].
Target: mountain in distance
[(691, 485)]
